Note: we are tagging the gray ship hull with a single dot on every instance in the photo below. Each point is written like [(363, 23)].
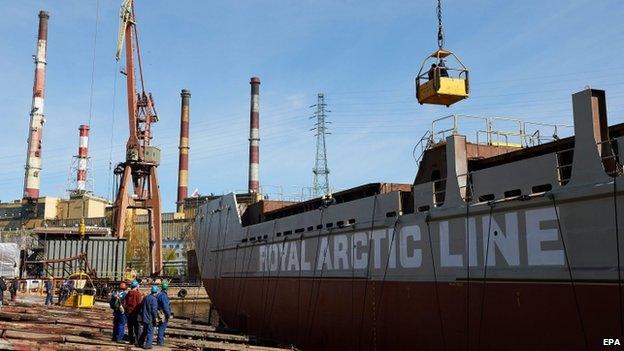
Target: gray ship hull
[(538, 270)]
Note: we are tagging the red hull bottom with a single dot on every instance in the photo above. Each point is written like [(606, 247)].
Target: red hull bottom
[(338, 314)]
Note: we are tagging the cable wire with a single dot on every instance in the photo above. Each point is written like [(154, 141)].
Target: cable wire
[(617, 250), (567, 258), (97, 21), (435, 281), (370, 238), (484, 284), (440, 28)]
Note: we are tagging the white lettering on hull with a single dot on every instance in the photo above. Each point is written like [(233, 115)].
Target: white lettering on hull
[(409, 259), (536, 235), (506, 242), (402, 247), (447, 259)]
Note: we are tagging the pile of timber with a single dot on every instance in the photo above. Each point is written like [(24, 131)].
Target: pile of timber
[(30, 326)]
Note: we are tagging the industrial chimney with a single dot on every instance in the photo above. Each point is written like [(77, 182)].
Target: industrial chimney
[(33, 156), (83, 156), (184, 149), (254, 137)]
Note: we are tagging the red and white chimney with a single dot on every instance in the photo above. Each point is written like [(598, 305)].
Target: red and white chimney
[(183, 150), (254, 136), (33, 159), (83, 156)]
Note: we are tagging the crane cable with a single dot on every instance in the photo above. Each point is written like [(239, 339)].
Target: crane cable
[(571, 278), (391, 250), (112, 188), (277, 281), (440, 28), (435, 280), (368, 272), (485, 266), (310, 313), (617, 250), (204, 247), (266, 291), (97, 21)]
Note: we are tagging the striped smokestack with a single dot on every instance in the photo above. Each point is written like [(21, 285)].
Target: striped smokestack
[(83, 155), (184, 149), (33, 156), (254, 136)]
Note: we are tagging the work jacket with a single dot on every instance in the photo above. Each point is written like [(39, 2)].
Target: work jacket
[(149, 312), (164, 304), (116, 301), (132, 302), (48, 286)]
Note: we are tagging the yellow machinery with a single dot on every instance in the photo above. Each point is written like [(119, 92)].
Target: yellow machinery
[(82, 292), (440, 84)]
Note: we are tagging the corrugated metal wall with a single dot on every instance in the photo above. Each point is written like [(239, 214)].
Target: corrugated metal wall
[(106, 255), (172, 229)]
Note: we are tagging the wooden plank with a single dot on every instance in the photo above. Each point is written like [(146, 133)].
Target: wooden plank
[(35, 327), (12, 334)]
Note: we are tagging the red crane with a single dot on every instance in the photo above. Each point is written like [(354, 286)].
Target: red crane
[(141, 158)]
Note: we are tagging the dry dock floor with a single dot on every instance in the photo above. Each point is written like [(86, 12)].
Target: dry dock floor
[(29, 325)]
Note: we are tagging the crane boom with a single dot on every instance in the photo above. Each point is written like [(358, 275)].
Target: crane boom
[(138, 187), (125, 16)]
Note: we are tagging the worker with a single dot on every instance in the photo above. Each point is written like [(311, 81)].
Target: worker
[(132, 306), (13, 288), (431, 73), (64, 292), (149, 315), (2, 289), (119, 316), (164, 311), (49, 289), (443, 70)]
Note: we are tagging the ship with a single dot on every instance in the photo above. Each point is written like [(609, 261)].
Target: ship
[(496, 245)]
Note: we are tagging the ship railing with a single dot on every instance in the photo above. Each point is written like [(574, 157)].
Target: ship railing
[(524, 134), (467, 189), (564, 165), (439, 191), (609, 154), (538, 137), (292, 193), (423, 144), (439, 134)]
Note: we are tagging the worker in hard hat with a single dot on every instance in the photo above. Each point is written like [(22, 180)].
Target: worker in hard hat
[(164, 312), (149, 316), (119, 316), (49, 289), (132, 307)]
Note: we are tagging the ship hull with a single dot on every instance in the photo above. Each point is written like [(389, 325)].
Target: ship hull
[(339, 314), (521, 251)]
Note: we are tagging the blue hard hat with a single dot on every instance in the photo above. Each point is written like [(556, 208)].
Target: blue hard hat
[(154, 289), (134, 284)]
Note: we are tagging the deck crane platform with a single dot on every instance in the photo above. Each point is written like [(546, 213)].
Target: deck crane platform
[(440, 84), (138, 187)]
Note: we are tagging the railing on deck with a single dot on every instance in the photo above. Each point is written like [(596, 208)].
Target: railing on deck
[(609, 154), (517, 133)]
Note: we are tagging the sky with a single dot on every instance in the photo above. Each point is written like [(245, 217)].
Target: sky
[(525, 58)]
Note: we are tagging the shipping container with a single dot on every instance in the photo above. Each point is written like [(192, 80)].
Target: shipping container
[(107, 256)]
